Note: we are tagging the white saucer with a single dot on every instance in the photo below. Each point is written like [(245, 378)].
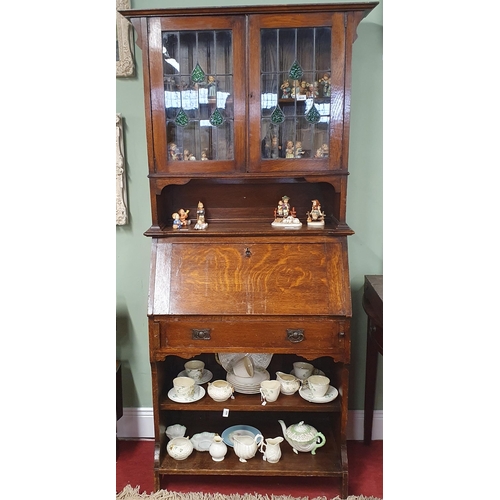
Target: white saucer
[(199, 392), (205, 376), (330, 395)]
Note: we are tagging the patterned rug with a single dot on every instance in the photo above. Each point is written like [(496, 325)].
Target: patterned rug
[(129, 493)]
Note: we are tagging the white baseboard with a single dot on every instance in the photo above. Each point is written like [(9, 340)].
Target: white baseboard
[(137, 423)]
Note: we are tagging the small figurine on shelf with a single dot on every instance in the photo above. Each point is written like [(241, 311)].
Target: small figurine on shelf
[(200, 217), (212, 86), (298, 149), (204, 155), (172, 151), (319, 153), (183, 215), (289, 150), (326, 85), (285, 90), (275, 148), (187, 154), (316, 216), (312, 90), (325, 150), (176, 224), (284, 216)]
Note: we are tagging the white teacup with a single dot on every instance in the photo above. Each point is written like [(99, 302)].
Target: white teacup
[(194, 369), (318, 384), (243, 367), (270, 390), (220, 390), (184, 387), (302, 370)]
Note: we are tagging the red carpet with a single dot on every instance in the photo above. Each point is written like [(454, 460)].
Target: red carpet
[(134, 466)]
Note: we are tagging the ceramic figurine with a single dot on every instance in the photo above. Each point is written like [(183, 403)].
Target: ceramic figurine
[(325, 150), (289, 150), (319, 153), (316, 216), (200, 217), (176, 224), (325, 85), (284, 216), (204, 156), (298, 149), (212, 86), (285, 90), (183, 215), (172, 151), (275, 148)]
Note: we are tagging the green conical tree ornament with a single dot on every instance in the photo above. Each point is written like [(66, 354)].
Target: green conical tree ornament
[(181, 119), (313, 115), (198, 75), (277, 115), (295, 72), (216, 118)]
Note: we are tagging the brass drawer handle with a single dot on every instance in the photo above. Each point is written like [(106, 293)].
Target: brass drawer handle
[(201, 333), (295, 335)]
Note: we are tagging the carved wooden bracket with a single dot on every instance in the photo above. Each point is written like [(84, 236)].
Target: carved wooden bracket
[(121, 191)]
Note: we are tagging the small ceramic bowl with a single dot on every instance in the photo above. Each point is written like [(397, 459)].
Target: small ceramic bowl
[(180, 448), (176, 430)]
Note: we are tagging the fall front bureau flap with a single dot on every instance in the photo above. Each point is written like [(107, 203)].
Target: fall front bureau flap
[(244, 277)]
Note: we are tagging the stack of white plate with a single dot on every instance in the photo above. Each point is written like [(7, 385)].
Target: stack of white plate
[(248, 385)]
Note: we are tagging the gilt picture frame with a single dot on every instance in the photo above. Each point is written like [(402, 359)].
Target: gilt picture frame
[(124, 56)]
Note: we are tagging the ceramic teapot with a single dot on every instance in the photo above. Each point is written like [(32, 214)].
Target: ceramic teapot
[(303, 437)]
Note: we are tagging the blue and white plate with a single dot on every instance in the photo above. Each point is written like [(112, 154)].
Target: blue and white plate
[(238, 430)]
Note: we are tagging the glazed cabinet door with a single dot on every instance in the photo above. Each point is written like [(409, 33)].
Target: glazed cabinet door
[(297, 94), (197, 94)]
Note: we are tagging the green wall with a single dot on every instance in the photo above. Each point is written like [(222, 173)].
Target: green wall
[(364, 208)]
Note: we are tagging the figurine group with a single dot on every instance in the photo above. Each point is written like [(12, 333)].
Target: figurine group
[(272, 149), (180, 219), (174, 154), (174, 85), (285, 215), (304, 89)]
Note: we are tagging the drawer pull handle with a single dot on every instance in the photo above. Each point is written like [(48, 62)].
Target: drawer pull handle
[(295, 336), (201, 333), (247, 252)]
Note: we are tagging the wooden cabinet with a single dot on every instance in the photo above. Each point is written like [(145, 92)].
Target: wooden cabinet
[(244, 106)]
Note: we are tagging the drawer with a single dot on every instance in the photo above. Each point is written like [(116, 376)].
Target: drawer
[(252, 334)]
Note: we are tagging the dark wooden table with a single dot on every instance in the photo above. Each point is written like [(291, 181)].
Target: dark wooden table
[(373, 306)]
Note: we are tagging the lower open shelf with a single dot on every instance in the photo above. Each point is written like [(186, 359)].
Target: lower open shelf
[(327, 462)]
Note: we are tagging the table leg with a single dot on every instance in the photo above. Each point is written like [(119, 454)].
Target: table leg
[(370, 382)]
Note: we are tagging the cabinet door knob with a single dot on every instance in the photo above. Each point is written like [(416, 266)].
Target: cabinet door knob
[(200, 333), (341, 334), (247, 252), (295, 335)]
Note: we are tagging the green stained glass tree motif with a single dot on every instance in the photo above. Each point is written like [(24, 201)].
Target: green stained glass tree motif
[(181, 119), (198, 75), (277, 116), (313, 115), (295, 72), (216, 118)]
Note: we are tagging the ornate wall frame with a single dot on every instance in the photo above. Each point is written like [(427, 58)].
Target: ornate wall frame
[(124, 57), (121, 185)]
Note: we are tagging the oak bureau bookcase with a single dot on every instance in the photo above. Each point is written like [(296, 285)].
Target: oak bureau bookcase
[(248, 108)]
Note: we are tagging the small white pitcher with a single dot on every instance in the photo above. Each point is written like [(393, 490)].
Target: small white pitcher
[(271, 449)]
